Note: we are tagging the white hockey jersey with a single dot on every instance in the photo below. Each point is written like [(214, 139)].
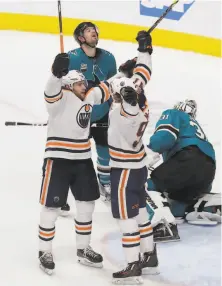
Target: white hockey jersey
[(69, 120), (127, 124)]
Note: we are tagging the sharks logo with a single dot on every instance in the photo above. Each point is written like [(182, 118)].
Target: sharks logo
[(83, 116)]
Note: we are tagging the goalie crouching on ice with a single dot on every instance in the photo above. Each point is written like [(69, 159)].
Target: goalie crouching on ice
[(182, 183)]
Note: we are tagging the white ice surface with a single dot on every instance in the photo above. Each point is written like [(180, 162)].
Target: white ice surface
[(25, 61)]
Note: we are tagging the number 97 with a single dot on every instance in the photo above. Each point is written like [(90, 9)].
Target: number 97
[(140, 133)]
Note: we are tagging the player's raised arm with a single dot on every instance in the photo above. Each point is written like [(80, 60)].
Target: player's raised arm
[(100, 93), (143, 67), (53, 89)]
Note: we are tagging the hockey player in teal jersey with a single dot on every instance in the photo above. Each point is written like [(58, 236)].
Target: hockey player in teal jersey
[(97, 65), (188, 167)]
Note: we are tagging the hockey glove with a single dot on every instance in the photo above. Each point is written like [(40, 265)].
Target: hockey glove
[(145, 42), (129, 95), (60, 66), (128, 67)]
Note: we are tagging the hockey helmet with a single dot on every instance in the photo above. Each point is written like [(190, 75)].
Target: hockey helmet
[(119, 83), (79, 30), (187, 106), (72, 77)]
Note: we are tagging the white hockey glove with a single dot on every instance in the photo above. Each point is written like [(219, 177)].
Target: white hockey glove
[(201, 217)]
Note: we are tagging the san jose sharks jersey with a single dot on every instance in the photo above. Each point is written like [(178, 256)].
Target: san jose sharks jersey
[(175, 130), (96, 69)]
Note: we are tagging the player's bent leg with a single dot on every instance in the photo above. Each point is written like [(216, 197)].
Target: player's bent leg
[(125, 208), (83, 225), (53, 195)]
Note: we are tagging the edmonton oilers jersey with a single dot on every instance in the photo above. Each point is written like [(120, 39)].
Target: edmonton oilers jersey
[(95, 69)]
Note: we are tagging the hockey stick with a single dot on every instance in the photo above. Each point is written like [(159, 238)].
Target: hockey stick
[(60, 27), (17, 123), (163, 15)]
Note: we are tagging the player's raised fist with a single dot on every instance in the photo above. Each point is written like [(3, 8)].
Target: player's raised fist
[(60, 66), (129, 95), (144, 40)]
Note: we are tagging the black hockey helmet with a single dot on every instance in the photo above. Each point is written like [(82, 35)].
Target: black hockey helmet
[(79, 30)]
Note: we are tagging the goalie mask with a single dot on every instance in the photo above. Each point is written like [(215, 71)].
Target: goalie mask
[(187, 106)]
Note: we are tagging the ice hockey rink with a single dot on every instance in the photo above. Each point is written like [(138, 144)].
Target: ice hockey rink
[(25, 62)]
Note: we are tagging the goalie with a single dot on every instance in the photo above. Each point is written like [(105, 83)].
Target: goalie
[(186, 174)]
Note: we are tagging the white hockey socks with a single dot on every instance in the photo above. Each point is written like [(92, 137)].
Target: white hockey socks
[(48, 218), (130, 239), (146, 231), (83, 223)]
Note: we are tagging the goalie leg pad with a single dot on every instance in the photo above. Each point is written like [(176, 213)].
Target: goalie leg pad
[(207, 210)]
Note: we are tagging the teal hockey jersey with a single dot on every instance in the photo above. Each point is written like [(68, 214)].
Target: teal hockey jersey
[(175, 130)]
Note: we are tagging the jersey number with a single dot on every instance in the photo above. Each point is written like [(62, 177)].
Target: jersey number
[(140, 133), (199, 132)]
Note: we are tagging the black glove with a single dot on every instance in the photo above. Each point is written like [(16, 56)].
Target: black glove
[(128, 67), (129, 95), (60, 66), (145, 42)]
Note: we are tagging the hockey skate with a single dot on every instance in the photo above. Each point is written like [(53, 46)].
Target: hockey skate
[(165, 232), (46, 262), (105, 192), (149, 262), (89, 257), (65, 210), (131, 275)]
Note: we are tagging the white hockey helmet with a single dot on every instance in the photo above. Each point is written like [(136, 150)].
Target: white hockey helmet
[(72, 77), (188, 106), (117, 84)]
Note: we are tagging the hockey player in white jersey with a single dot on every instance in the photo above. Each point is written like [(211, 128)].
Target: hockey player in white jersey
[(127, 123), (67, 162)]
